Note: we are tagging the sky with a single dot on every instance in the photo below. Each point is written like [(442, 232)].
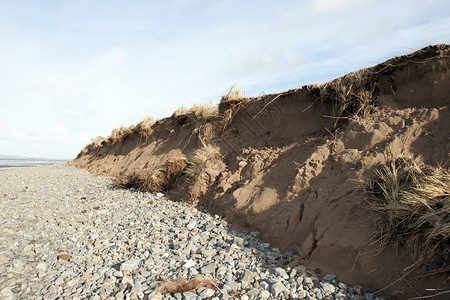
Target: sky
[(74, 70)]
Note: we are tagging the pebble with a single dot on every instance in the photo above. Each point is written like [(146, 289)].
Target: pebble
[(66, 234)]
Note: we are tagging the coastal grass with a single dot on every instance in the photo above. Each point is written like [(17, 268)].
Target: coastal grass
[(350, 95), (153, 180), (198, 158), (412, 202), (205, 112), (230, 104)]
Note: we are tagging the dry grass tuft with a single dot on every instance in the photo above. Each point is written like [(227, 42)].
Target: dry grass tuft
[(413, 203), (230, 105), (147, 123), (234, 93), (182, 285), (205, 112), (180, 111), (199, 157), (157, 180), (351, 95)]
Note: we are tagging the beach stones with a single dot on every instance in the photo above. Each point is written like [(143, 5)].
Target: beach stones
[(77, 237)]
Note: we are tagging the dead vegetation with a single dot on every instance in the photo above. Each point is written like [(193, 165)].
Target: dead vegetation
[(230, 105), (157, 180), (182, 285), (351, 95), (205, 112), (198, 158), (413, 205)]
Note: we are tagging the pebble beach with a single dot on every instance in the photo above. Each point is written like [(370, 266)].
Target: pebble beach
[(65, 234)]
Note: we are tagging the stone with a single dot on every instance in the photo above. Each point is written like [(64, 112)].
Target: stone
[(64, 256), (358, 290), (329, 277), (328, 287), (189, 296), (42, 266), (191, 225), (209, 269), (248, 276), (189, 263), (207, 293), (302, 294), (264, 294), (159, 195), (155, 296), (281, 273), (130, 265), (369, 296), (277, 288), (307, 281)]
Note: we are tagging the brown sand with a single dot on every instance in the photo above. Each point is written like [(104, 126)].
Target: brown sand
[(292, 163)]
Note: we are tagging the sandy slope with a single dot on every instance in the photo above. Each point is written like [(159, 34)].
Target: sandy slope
[(292, 162)]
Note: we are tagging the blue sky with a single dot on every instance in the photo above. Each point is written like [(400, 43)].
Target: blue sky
[(74, 70)]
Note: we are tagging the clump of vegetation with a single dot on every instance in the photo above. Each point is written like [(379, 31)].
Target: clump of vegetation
[(182, 285), (413, 205), (157, 180), (351, 95), (147, 123), (235, 93), (204, 112), (180, 111), (230, 104), (196, 162)]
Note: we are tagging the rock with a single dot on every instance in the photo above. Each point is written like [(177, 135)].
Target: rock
[(369, 296), (358, 290), (248, 276), (278, 288), (209, 269), (64, 256), (155, 296), (307, 281), (207, 293), (159, 195), (253, 292), (130, 265), (189, 263), (191, 225), (42, 266), (282, 273), (264, 294), (189, 296), (329, 277), (302, 294), (328, 287)]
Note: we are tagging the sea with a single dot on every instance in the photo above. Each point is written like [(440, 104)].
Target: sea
[(9, 163)]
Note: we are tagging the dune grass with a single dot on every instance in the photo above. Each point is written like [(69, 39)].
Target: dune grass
[(205, 112), (350, 95), (156, 180), (413, 205), (198, 158)]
